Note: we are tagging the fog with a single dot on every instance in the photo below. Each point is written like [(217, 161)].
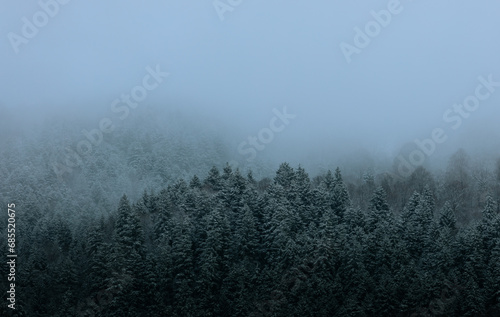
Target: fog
[(231, 66), (250, 158)]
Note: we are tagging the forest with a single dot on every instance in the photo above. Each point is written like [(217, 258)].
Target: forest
[(228, 243), (250, 158)]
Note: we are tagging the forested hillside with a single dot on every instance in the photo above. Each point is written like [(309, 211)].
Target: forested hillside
[(227, 244), (250, 158), (40, 166)]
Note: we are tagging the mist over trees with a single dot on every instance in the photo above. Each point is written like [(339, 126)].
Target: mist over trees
[(151, 224), (250, 158)]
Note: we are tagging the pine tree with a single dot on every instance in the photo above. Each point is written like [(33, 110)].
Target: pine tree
[(492, 292), (428, 206), (162, 223), (178, 192), (67, 279), (447, 219), (247, 238), (129, 237), (302, 186), (183, 267), (301, 197), (232, 191), (416, 225), (284, 176), (227, 173), (163, 272), (332, 193), (488, 230), (354, 277), (63, 235), (214, 261), (328, 182), (251, 180), (341, 200), (195, 182), (329, 229), (280, 233), (444, 240), (489, 211), (472, 300), (98, 252), (355, 218), (213, 180), (379, 213)]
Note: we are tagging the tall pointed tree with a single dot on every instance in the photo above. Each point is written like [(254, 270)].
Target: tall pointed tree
[(214, 259), (213, 180), (379, 214), (129, 237), (284, 176), (340, 199)]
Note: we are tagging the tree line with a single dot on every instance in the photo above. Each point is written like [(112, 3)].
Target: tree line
[(290, 245)]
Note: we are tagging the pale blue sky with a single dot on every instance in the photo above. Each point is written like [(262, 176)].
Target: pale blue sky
[(264, 55)]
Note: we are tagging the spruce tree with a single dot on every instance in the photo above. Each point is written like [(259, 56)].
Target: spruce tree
[(214, 261), (195, 182), (284, 176), (447, 219), (129, 238), (328, 182), (340, 199), (247, 238), (379, 214), (183, 267), (213, 181)]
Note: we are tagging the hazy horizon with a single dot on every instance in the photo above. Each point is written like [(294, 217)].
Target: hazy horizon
[(235, 68)]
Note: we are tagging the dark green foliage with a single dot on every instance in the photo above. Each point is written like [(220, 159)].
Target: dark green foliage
[(195, 182), (284, 176), (378, 214), (234, 246), (213, 180), (129, 238), (447, 218)]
